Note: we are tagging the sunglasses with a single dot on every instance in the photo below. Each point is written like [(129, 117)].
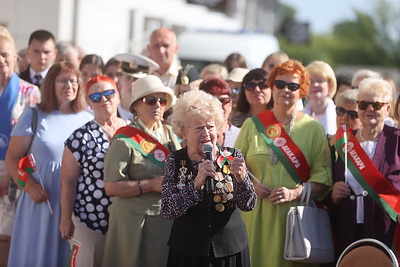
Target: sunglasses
[(251, 86), (152, 100), (352, 113), (96, 97), (363, 105), (282, 84), (224, 100)]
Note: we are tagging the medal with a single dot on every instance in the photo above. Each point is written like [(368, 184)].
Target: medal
[(217, 198), (219, 207), (219, 185)]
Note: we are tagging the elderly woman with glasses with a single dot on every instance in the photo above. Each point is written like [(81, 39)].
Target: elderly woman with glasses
[(254, 97), (133, 171), (84, 203), (363, 195), (278, 177), (220, 89), (346, 111)]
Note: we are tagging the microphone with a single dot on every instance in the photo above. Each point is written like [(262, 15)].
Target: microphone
[(207, 151)]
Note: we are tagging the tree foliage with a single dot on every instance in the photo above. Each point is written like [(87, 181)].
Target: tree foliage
[(367, 40)]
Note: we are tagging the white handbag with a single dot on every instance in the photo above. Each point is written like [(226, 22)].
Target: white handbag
[(308, 232), (7, 215)]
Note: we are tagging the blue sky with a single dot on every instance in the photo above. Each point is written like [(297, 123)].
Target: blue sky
[(324, 14)]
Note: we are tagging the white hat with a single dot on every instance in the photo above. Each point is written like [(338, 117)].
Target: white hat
[(237, 74), (148, 85), (137, 66)]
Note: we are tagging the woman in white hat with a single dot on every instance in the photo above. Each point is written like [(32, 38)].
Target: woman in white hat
[(133, 172)]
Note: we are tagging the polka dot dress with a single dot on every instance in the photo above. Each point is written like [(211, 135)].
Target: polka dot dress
[(89, 145)]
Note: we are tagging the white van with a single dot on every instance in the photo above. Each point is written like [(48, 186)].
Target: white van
[(201, 48)]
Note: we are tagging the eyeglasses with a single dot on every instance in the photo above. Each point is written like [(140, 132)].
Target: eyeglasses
[(282, 84), (152, 100), (251, 86), (341, 111), (363, 105), (224, 100), (96, 97), (65, 81)]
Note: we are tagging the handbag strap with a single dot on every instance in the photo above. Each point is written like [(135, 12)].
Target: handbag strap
[(305, 194), (34, 126)]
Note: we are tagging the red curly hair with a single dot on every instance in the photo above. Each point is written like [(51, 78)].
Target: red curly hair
[(291, 67)]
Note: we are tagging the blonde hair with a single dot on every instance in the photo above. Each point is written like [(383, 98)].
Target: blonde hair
[(197, 106), (323, 69), (214, 68), (376, 86)]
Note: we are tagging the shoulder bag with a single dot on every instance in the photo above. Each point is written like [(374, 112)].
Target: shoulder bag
[(308, 232)]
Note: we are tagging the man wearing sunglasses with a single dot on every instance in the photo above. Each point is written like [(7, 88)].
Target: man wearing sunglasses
[(133, 67)]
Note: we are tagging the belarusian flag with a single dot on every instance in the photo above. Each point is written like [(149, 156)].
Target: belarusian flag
[(26, 166), (72, 255)]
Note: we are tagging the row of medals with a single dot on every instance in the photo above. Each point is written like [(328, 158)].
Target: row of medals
[(223, 189), (223, 192)]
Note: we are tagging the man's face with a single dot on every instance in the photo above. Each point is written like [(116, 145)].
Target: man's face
[(163, 47), (41, 54)]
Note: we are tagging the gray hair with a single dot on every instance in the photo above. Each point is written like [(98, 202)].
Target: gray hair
[(197, 106), (347, 96), (376, 86), (359, 75)]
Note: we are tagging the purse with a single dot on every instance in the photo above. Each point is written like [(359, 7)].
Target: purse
[(8, 204), (308, 232)]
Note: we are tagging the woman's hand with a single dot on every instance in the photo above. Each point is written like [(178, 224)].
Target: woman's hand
[(283, 194), (36, 192), (262, 190), (67, 228), (238, 169), (340, 191), (206, 169)]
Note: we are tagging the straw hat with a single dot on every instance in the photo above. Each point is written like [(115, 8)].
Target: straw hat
[(148, 85), (137, 66), (237, 74)]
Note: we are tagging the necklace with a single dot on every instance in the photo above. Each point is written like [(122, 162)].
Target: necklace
[(362, 138), (272, 156)]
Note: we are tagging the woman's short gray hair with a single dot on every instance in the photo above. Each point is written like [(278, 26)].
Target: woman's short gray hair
[(197, 106), (376, 86), (347, 96)]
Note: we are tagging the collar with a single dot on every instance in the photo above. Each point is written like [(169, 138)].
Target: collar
[(32, 73)]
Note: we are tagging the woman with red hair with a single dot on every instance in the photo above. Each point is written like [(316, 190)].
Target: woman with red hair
[(264, 141), (84, 203)]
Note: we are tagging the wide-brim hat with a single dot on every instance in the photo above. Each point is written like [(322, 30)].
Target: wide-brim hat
[(237, 74), (148, 85), (137, 66)]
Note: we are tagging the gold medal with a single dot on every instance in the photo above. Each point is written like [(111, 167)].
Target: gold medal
[(219, 207), (217, 198)]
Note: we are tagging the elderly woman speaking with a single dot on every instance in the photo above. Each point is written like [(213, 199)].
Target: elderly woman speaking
[(133, 172), (365, 193), (204, 193)]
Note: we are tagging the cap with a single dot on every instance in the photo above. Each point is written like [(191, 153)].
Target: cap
[(237, 74), (137, 66), (188, 75)]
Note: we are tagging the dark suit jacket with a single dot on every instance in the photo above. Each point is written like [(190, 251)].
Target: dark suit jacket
[(25, 75), (377, 224)]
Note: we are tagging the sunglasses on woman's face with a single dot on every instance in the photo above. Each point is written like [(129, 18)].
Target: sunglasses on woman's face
[(96, 97), (152, 100), (363, 105), (341, 112), (251, 86), (282, 84)]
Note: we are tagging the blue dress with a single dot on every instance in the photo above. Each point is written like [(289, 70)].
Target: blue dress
[(36, 239)]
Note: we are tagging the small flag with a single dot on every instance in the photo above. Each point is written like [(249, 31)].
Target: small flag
[(26, 166), (72, 255)]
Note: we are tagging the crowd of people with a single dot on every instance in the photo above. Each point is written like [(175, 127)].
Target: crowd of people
[(143, 161)]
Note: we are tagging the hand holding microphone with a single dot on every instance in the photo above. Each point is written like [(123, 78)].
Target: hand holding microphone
[(209, 185)]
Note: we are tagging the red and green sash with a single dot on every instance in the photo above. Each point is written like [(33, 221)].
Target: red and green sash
[(148, 146), (283, 146), (369, 177)]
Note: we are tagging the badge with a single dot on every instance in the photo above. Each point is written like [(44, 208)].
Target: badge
[(219, 207), (217, 198)]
